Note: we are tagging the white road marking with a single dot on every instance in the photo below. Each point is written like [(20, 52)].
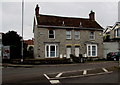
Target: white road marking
[(105, 70), (54, 81), (84, 72), (59, 75), (46, 76)]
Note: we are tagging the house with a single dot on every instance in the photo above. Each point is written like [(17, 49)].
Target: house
[(30, 44), (107, 30), (106, 33), (115, 32), (113, 45), (58, 36)]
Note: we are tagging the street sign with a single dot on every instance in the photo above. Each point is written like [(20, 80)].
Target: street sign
[(6, 52)]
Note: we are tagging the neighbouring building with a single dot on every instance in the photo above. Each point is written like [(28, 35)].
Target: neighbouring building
[(0, 47), (107, 30), (113, 45), (106, 33), (58, 36), (30, 44)]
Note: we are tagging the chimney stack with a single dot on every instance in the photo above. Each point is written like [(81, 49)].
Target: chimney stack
[(92, 15), (37, 10)]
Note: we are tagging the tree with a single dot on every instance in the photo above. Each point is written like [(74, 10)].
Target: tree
[(12, 39)]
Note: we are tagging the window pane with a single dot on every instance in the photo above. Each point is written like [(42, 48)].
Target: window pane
[(52, 48), (93, 47), (77, 34), (88, 47), (52, 51), (51, 36), (51, 32), (93, 53), (47, 49), (89, 51), (68, 37), (91, 35), (93, 50), (118, 32), (68, 34)]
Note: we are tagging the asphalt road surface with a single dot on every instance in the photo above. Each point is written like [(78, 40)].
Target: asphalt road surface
[(97, 72)]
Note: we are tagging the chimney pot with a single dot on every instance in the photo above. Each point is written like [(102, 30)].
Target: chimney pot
[(92, 15), (37, 10)]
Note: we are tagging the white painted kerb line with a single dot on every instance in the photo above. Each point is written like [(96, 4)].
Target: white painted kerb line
[(54, 81), (84, 72), (105, 70), (46, 76), (59, 75)]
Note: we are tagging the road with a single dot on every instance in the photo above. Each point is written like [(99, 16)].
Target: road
[(38, 74)]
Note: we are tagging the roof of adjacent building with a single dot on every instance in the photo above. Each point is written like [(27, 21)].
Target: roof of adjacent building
[(29, 42), (51, 20)]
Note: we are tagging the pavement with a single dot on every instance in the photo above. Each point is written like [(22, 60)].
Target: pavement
[(30, 66)]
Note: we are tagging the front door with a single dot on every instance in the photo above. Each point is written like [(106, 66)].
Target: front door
[(77, 51), (68, 52)]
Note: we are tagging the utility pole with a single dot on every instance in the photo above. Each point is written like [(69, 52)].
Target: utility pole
[(22, 31)]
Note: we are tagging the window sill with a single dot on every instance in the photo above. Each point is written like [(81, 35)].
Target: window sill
[(68, 39)]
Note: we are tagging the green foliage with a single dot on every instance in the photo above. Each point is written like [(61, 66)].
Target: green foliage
[(106, 38)]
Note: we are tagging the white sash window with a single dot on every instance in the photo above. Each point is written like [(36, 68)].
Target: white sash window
[(68, 34), (92, 35)]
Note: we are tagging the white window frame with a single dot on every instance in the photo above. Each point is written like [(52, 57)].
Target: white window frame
[(56, 49), (77, 35), (90, 36), (53, 34), (91, 45), (68, 35)]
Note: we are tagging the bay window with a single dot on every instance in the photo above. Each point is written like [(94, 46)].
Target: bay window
[(92, 50), (51, 50)]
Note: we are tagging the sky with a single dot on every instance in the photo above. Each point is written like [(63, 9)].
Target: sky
[(106, 13)]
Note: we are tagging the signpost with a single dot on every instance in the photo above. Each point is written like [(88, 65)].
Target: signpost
[(6, 52)]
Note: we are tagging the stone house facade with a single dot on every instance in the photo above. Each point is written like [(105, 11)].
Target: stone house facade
[(58, 37)]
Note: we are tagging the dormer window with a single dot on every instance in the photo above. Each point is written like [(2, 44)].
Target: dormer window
[(51, 34), (117, 32)]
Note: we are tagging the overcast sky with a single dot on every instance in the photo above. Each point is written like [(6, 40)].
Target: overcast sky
[(106, 13)]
